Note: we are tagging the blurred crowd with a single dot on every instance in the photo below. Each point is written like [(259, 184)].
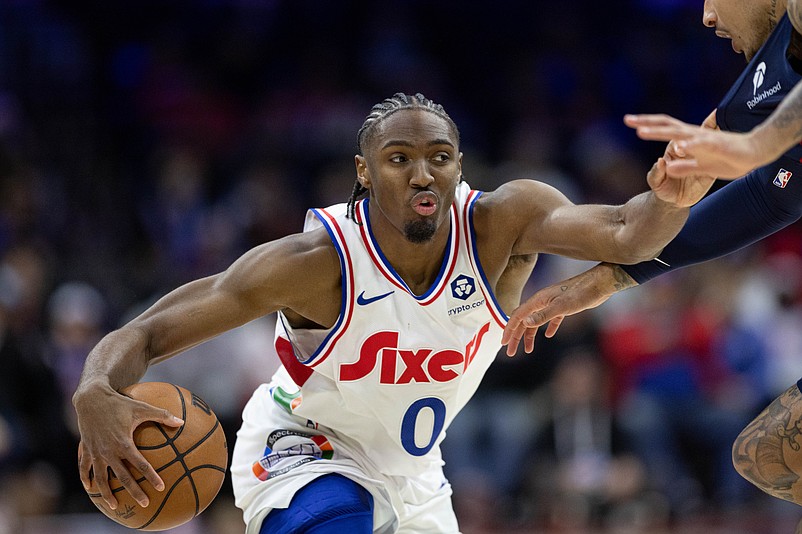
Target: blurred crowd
[(146, 144)]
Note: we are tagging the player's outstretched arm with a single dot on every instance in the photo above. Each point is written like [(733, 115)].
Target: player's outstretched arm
[(542, 220), (256, 284), (768, 452), (553, 303)]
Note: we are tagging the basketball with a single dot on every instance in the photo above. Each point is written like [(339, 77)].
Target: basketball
[(191, 460)]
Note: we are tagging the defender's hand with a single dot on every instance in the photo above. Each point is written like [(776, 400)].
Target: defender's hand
[(552, 304), (106, 421), (705, 150)]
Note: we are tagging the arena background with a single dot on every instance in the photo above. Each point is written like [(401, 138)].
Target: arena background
[(145, 144)]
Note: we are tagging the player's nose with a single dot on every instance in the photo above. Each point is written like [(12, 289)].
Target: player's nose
[(709, 18), (421, 176)]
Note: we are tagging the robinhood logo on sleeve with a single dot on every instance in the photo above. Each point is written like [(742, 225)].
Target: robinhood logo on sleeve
[(760, 74), (757, 82)]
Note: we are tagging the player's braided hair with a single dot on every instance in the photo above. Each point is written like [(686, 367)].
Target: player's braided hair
[(381, 111)]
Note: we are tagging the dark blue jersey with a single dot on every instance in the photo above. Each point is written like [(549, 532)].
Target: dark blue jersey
[(764, 201), (761, 87)]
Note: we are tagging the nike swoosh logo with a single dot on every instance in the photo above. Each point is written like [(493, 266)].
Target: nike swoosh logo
[(362, 301)]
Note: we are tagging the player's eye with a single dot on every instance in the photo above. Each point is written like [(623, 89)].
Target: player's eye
[(398, 158)]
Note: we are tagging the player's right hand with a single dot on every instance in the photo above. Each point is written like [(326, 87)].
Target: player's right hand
[(106, 421)]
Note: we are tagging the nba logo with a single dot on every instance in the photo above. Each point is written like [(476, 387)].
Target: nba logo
[(782, 178)]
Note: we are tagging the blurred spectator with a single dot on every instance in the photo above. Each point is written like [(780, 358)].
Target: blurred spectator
[(769, 302), (176, 216), (36, 456), (670, 377), (582, 472), (140, 148), (507, 412)]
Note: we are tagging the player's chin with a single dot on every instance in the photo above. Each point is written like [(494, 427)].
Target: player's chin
[(420, 231)]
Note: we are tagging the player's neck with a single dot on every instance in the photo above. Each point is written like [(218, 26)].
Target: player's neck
[(418, 264)]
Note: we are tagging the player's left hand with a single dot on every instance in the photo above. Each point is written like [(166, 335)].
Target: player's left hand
[(553, 303), (682, 191)]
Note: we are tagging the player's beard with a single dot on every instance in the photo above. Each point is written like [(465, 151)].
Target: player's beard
[(420, 231)]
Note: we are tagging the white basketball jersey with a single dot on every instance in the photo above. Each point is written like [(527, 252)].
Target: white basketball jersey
[(396, 367)]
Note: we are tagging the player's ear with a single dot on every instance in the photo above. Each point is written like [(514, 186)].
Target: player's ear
[(362, 173)]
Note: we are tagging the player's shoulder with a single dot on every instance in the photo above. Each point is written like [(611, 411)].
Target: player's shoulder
[(303, 255), (519, 198), (313, 246), (515, 208)]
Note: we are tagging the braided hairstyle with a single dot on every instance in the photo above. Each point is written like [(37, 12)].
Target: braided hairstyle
[(381, 111)]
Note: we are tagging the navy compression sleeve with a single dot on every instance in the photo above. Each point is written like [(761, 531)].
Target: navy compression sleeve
[(739, 214)]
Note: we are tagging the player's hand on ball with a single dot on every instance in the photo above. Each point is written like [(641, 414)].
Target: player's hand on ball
[(106, 421), (190, 458)]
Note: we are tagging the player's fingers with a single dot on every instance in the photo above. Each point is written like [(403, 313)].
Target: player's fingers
[(514, 340), (100, 473), (512, 323), (657, 174), (683, 167), (529, 340), (166, 418), (523, 317), (512, 335), (674, 150), (657, 133), (710, 121), (554, 325), (84, 467), (660, 127), (128, 481), (649, 119), (136, 459), (146, 412)]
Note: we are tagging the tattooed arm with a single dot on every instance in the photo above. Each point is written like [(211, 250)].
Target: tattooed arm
[(767, 452)]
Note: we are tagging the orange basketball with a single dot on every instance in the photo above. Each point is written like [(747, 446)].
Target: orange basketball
[(191, 460)]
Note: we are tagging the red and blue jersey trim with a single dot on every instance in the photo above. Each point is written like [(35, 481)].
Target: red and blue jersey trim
[(347, 296), (376, 254), (470, 235)]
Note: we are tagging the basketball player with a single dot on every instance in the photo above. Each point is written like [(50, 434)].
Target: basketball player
[(767, 452), (390, 310), (729, 154)]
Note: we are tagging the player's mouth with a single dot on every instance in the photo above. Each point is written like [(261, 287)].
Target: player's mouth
[(726, 35), (424, 203)]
